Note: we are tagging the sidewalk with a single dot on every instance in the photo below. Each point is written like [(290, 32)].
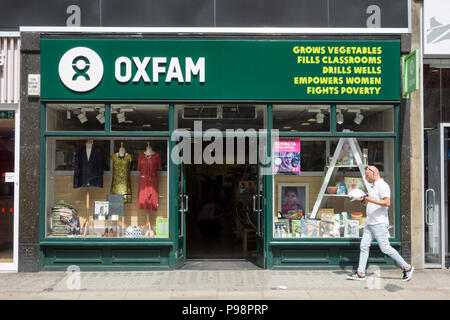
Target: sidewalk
[(225, 284)]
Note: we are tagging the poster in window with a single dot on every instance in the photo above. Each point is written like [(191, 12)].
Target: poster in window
[(282, 228), (292, 200), (287, 157), (101, 210), (351, 229), (310, 228)]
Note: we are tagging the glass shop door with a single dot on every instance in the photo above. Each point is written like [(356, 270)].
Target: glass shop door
[(8, 185), (183, 203), (436, 198)]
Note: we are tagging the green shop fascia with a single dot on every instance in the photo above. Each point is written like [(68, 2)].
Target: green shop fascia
[(321, 96)]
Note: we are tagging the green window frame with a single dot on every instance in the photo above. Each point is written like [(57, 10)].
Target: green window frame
[(333, 133), (107, 132)]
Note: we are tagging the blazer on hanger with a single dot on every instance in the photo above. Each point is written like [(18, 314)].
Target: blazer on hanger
[(88, 172)]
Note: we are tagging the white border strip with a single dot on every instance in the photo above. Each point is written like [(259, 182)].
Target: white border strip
[(444, 155), (9, 34), (409, 16), (422, 142), (219, 30)]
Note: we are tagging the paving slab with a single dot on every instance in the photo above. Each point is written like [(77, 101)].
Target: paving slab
[(286, 295), (194, 295), (239, 295), (148, 295)]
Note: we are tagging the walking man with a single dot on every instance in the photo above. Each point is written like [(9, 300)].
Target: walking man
[(378, 202)]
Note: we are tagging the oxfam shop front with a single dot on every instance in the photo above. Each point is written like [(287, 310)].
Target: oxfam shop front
[(154, 151)]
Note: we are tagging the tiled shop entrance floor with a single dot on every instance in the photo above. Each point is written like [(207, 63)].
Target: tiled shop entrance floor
[(221, 264)]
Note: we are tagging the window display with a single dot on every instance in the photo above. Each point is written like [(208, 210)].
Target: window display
[(149, 164), (338, 214), (365, 118), (107, 187), (88, 166), (301, 118), (75, 117), (139, 117), (121, 181)]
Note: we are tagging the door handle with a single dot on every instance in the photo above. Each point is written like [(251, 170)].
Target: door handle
[(259, 227), (186, 209), (180, 201), (430, 206), (254, 203)]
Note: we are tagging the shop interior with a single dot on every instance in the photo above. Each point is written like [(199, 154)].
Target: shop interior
[(229, 189), (6, 190)]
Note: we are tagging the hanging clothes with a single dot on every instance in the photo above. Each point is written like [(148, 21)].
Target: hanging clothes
[(121, 181), (148, 181), (88, 172)]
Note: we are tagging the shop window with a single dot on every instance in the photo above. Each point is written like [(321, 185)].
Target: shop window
[(75, 117), (120, 192), (299, 118), (221, 117), (436, 81), (133, 117), (364, 118), (296, 189)]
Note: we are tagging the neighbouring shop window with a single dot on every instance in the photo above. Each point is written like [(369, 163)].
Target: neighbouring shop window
[(75, 117), (297, 188), (436, 96), (221, 117), (298, 118), (365, 118), (135, 117), (108, 187)]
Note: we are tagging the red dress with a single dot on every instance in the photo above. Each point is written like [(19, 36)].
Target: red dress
[(148, 181)]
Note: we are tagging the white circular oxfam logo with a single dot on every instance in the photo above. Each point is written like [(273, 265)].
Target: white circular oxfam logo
[(80, 69)]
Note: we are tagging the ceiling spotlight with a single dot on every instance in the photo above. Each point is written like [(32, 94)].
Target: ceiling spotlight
[(359, 117), (101, 117), (121, 117), (319, 117), (340, 117), (82, 117), (128, 109), (87, 109)]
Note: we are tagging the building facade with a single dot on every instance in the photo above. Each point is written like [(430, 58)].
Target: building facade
[(306, 107)]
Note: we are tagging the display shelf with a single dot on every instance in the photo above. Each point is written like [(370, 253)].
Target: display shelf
[(331, 170), (344, 166)]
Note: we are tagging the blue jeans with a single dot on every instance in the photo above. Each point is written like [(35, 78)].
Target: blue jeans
[(381, 233)]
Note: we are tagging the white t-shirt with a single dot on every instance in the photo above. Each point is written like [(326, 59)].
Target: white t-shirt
[(378, 214)]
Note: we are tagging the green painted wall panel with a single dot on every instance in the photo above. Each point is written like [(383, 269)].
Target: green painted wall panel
[(105, 258)]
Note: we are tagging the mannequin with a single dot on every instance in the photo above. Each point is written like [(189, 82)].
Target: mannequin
[(122, 151), (148, 150), (88, 172), (149, 164), (89, 143), (121, 181)]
